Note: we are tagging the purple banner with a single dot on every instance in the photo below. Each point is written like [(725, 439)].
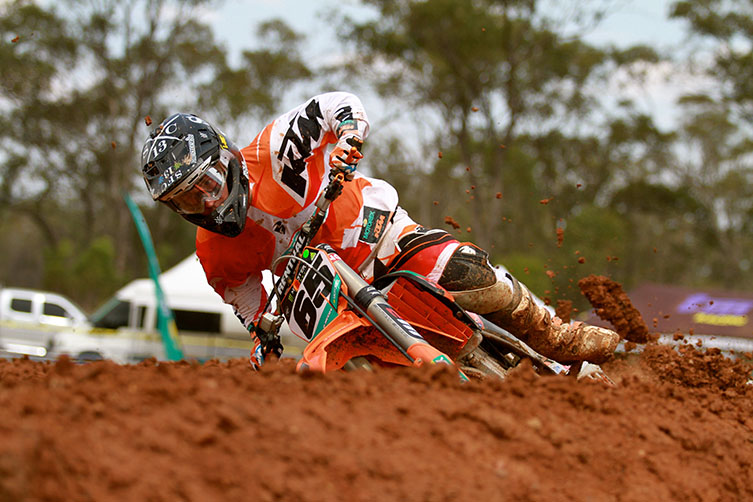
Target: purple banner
[(702, 302)]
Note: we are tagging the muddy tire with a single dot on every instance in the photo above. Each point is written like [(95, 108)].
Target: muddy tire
[(479, 362)]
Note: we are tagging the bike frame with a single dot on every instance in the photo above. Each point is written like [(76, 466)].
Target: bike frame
[(368, 306), (400, 322), (341, 317)]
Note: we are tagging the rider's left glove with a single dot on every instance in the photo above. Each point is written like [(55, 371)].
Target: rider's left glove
[(346, 153)]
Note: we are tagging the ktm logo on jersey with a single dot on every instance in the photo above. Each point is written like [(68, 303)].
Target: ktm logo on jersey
[(379, 226), (296, 147)]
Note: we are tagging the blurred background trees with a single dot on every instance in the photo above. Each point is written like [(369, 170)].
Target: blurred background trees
[(504, 126), (81, 82)]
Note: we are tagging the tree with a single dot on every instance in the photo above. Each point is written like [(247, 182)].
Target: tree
[(715, 133), (84, 82), (515, 110)]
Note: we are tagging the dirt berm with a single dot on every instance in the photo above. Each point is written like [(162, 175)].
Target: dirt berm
[(679, 426)]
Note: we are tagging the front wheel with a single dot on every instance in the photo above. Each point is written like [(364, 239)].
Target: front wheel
[(358, 363)]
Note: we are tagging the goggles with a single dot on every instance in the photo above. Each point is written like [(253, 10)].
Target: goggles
[(205, 190)]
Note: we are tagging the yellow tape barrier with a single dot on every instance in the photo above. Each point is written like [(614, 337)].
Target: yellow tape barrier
[(204, 340)]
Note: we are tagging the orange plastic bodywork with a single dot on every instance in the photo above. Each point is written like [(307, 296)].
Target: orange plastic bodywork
[(350, 335), (433, 319), (423, 353)]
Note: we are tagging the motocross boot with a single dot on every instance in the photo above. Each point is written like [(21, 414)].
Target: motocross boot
[(501, 299)]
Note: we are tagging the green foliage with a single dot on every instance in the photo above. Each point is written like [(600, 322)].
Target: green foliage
[(89, 275), (257, 87), (504, 127), (728, 28), (593, 241), (528, 269), (504, 89), (39, 46), (79, 82), (594, 234), (494, 77)]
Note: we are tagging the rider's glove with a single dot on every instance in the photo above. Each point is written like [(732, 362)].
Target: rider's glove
[(264, 345), (345, 155), (257, 358)]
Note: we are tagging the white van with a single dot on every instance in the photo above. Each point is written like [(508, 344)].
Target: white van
[(125, 328), (31, 319)]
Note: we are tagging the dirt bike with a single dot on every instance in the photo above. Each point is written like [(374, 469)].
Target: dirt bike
[(401, 319)]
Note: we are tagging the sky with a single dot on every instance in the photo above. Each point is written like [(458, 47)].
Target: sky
[(630, 22), (639, 21)]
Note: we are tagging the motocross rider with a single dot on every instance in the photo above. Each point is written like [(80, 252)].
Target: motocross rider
[(248, 203)]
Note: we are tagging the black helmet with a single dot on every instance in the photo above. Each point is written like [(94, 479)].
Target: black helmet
[(190, 166)]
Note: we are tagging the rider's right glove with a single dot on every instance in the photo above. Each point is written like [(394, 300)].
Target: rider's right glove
[(346, 153), (257, 358), (264, 345)]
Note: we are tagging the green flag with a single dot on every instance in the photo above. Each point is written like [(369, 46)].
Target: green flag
[(165, 319)]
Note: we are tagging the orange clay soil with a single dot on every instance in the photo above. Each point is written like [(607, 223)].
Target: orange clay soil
[(679, 426), (613, 305)]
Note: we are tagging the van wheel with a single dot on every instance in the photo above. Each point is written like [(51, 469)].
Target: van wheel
[(90, 356)]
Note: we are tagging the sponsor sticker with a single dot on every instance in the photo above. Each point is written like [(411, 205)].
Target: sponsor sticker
[(373, 224)]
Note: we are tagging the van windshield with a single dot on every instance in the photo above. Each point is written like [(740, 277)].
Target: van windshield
[(112, 315)]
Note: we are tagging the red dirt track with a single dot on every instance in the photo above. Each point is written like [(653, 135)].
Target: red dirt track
[(679, 426)]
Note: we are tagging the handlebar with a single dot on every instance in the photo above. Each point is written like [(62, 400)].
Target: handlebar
[(265, 329)]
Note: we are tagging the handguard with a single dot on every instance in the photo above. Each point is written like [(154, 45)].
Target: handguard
[(267, 331)]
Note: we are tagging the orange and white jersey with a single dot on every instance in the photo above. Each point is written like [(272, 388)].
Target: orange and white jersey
[(287, 166)]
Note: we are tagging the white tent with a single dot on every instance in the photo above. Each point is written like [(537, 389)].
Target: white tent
[(186, 288)]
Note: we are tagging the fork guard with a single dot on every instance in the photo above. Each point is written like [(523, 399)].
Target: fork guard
[(348, 336)]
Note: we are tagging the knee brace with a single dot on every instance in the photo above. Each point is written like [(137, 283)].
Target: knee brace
[(476, 286), (467, 268)]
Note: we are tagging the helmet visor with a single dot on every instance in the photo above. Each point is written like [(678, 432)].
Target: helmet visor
[(205, 194)]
